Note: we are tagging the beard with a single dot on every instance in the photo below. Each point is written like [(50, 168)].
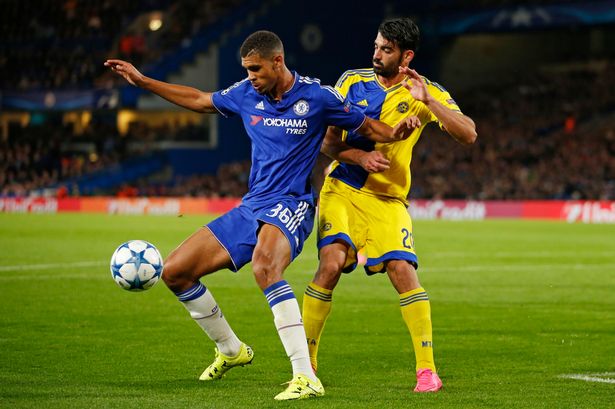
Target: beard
[(384, 70)]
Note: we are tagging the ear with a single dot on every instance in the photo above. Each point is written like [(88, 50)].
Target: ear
[(278, 61), (408, 55)]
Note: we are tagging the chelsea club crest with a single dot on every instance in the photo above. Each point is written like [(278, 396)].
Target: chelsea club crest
[(301, 107)]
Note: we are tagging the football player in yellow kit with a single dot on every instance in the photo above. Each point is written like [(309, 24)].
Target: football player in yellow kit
[(363, 205)]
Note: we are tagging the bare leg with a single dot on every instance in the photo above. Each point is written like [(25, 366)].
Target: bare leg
[(198, 255)]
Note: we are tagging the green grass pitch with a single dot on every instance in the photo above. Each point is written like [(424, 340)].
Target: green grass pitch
[(515, 306)]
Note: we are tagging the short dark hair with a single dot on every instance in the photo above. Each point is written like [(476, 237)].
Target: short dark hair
[(402, 31), (263, 43)]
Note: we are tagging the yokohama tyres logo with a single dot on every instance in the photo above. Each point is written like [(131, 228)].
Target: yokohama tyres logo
[(293, 126), (279, 122)]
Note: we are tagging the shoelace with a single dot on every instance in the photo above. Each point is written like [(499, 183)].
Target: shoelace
[(425, 376)]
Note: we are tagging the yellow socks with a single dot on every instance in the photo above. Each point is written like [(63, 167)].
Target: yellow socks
[(316, 309), (416, 311)]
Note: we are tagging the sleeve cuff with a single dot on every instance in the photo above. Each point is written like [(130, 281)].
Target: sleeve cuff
[(217, 109), (361, 124)]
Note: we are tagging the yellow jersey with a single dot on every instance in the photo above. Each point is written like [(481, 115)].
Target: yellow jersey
[(390, 105)]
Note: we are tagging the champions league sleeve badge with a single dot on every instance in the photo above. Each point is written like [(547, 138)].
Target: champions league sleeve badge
[(301, 107)]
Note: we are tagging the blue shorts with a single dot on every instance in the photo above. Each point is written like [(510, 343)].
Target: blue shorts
[(238, 229)]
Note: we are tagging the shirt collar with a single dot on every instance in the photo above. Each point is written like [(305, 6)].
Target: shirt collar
[(287, 92)]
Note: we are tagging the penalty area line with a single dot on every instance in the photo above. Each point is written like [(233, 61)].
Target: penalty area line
[(603, 377)]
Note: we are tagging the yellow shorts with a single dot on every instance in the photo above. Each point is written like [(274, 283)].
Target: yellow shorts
[(379, 228)]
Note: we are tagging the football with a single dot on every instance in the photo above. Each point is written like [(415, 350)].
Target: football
[(136, 265)]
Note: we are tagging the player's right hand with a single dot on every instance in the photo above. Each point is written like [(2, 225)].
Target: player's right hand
[(374, 162), (126, 70)]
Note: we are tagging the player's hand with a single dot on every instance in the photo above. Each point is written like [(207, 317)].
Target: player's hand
[(374, 162), (405, 127), (416, 86), (126, 70)]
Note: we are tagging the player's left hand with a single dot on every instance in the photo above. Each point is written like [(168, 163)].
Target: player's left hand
[(405, 127), (416, 86)]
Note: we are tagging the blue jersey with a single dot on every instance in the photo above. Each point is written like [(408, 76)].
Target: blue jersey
[(286, 135)]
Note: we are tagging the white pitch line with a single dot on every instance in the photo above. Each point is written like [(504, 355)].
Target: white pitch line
[(592, 377), (45, 277), (49, 266)]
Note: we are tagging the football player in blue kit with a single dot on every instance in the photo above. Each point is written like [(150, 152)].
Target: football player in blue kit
[(285, 116)]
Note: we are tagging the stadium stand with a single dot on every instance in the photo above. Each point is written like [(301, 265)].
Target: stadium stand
[(50, 44), (541, 135), (231, 180), (53, 44), (34, 159), (540, 138), (34, 162)]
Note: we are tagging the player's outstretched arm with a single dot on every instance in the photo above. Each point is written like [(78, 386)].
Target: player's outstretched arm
[(187, 97), (335, 148), (459, 126), (378, 131)]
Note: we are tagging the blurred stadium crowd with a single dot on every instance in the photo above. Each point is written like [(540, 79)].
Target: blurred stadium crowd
[(62, 43), (37, 160), (540, 138), (548, 135)]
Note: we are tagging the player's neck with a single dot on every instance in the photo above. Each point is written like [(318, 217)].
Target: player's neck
[(284, 85), (391, 81)]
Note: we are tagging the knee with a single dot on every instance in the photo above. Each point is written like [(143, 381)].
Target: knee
[(400, 267), (329, 272), (174, 276), (403, 275), (265, 268)]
